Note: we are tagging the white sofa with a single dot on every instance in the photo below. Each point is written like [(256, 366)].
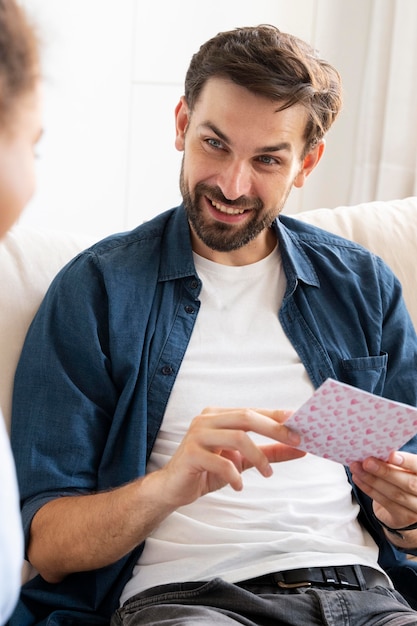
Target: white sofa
[(29, 259)]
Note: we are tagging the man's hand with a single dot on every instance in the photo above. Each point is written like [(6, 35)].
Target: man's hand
[(393, 487), (80, 533), (218, 447)]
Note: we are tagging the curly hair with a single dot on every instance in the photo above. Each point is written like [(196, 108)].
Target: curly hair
[(19, 58), (275, 65)]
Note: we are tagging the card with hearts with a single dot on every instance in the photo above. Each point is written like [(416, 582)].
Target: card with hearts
[(345, 424)]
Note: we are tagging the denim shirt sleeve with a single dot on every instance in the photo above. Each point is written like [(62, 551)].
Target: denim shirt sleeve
[(99, 362), (97, 366), (55, 373)]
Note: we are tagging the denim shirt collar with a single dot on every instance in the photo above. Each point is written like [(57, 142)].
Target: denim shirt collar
[(177, 262), (296, 264)]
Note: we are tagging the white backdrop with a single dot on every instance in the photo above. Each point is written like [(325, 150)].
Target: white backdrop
[(114, 72)]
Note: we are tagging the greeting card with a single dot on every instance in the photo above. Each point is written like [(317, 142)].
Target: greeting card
[(344, 424)]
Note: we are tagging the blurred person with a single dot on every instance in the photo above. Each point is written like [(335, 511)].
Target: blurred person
[(20, 129)]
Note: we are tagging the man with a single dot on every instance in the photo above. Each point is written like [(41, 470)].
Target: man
[(136, 495)]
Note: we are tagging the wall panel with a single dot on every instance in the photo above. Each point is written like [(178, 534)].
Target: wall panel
[(87, 62), (114, 72)]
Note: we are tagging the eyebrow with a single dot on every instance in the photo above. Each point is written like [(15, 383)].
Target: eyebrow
[(279, 147)]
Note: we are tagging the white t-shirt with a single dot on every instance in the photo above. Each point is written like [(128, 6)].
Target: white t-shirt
[(11, 534), (303, 515)]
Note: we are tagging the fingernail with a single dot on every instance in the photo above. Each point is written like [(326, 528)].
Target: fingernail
[(371, 465), (293, 438), (397, 458)]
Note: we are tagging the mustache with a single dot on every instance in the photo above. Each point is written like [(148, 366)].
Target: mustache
[(216, 195)]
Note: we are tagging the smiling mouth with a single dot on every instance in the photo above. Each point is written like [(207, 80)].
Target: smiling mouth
[(227, 209)]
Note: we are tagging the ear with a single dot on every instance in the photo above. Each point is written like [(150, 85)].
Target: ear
[(182, 116), (309, 163)]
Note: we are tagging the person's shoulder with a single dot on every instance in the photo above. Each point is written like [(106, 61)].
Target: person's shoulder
[(320, 246), (133, 252), (149, 232), (312, 234)]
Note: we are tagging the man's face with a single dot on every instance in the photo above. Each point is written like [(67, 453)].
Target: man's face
[(241, 159), (17, 159)]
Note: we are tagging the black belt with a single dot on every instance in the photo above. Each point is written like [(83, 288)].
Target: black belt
[(354, 577)]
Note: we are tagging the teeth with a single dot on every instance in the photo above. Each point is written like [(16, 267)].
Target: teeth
[(227, 209)]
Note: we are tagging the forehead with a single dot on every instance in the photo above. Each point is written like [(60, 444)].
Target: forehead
[(240, 113)]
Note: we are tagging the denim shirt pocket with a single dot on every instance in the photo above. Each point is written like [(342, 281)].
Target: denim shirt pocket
[(367, 373)]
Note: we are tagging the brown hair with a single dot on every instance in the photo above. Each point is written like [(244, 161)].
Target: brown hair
[(19, 58), (275, 65)]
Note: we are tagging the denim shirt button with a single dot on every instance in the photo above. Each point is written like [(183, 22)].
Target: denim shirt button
[(194, 284), (189, 309), (167, 370)]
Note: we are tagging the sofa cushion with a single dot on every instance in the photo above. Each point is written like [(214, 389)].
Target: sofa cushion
[(29, 259), (389, 229)]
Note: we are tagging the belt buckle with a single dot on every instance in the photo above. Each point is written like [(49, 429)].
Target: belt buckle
[(280, 580), (283, 585)]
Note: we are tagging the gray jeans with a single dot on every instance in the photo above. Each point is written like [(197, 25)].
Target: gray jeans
[(217, 603)]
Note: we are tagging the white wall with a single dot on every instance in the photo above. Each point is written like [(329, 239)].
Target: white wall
[(114, 72)]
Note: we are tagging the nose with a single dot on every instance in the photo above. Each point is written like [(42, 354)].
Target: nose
[(236, 180)]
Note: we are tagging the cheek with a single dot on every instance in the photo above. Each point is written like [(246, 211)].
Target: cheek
[(197, 168), (17, 185), (9, 210), (28, 179)]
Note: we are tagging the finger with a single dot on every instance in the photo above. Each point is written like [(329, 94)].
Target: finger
[(404, 460), (394, 471), (393, 488), (230, 409), (277, 453), (221, 467), (279, 415), (246, 419), (218, 440)]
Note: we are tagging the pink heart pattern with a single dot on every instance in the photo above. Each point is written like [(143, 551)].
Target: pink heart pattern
[(345, 424)]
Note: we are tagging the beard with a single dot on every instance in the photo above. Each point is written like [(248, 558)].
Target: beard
[(220, 236)]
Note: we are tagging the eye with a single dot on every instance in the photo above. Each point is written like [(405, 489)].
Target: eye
[(268, 160), (215, 143)]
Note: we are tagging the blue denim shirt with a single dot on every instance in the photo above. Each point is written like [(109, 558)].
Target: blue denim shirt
[(102, 354)]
